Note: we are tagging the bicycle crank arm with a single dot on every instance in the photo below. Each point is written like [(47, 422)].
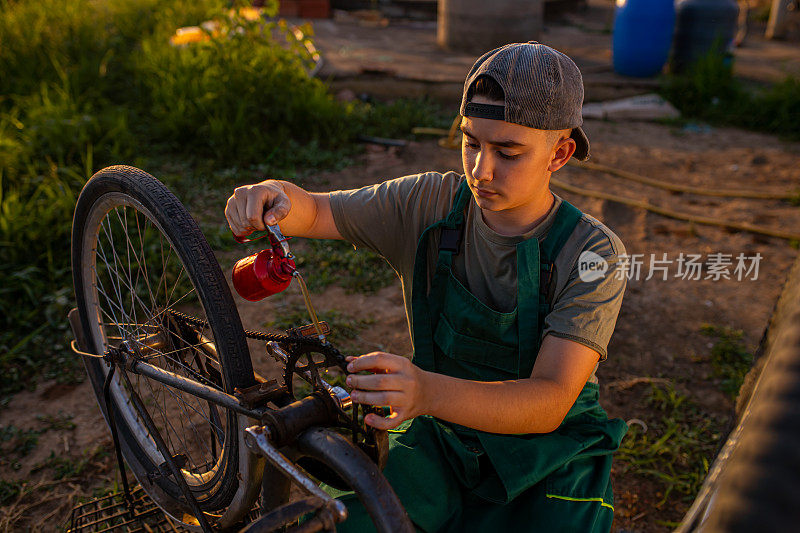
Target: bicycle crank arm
[(257, 439)]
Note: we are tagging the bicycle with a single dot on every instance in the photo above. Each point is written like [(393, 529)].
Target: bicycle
[(168, 361)]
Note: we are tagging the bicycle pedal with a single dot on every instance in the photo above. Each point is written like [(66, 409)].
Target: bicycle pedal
[(163, 469), (310, 330)]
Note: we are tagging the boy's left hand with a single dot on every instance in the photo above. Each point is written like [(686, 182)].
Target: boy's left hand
[(395, 381)]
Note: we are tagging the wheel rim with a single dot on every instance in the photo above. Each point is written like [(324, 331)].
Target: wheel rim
[(129, 297)]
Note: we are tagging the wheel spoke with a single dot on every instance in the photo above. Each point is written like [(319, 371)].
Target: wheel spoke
[(116, 276), (133, 300)]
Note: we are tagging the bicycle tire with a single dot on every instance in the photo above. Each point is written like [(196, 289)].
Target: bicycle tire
[(752, 485), (227, 485), (360, 473)]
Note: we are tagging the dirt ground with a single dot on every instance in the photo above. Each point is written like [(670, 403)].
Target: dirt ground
[(658, 333), (402, 59)]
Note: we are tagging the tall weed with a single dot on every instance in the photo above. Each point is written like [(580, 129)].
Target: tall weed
[(34, 266), (397, 118), (88, 83), (730, 359), (709, 91), (675, 448), (38, 36), (237, 95)]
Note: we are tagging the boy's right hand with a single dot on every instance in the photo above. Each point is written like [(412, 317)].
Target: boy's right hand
[(252, 207)]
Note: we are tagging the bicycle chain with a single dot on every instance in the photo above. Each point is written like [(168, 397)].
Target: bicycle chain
[(323, 347), (306, 345)]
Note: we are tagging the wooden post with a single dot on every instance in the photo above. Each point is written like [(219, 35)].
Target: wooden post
[(776, 26)]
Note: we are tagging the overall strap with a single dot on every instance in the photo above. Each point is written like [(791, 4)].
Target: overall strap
[(564, 224), (528, 312), (452, 226)]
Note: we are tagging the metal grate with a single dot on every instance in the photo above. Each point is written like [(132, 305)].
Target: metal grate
[(110, 514)]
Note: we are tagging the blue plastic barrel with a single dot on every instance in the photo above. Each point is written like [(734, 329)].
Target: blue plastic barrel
[(703, 27), (642, 36)]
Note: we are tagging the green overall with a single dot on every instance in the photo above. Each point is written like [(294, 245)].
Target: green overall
[(453, 478)]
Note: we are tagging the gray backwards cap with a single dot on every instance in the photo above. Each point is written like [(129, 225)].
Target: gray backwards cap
[(543, 89)]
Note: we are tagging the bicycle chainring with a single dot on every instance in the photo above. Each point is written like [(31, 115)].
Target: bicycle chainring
[(301, 360), (372, 441)]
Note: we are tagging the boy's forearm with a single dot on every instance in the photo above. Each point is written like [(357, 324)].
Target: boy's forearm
[(533, 405), (309, 215)]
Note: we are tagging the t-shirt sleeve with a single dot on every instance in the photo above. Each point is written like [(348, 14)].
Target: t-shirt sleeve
[(585, 310), (389, 217)]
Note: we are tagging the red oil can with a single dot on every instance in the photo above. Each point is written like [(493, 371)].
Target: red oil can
[(263, 274)]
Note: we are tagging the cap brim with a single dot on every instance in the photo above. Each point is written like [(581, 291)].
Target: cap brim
[(582, 142)]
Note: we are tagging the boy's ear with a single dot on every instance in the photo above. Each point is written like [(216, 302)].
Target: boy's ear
[(564, 149)]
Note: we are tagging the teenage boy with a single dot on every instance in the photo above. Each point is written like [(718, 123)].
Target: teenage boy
[(495, 422)]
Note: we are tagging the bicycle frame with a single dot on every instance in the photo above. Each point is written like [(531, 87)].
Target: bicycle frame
[(281, 427), (143, 355)]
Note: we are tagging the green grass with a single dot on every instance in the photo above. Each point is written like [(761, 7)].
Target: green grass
[(345, 329), (677, 447), (708, 91), (336, 262), (236, 99), (68, 467), (59, 422), (87, 84), (396, 119), (18, 442), (730, 359), (10, 490)]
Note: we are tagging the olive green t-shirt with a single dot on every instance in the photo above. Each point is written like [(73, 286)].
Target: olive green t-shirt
[(389, 218)]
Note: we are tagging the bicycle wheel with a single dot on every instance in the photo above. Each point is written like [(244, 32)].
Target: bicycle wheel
[(325, 454), (752, 484), (336, 454), (137, 257)]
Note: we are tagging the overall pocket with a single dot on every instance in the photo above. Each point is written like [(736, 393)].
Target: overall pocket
[(473, 350), (578, 496), (582, 485)]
